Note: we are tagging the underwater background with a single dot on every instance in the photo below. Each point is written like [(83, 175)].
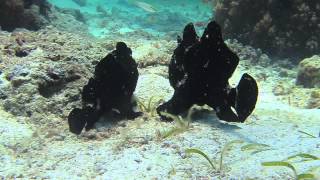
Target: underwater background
[(49, 50)]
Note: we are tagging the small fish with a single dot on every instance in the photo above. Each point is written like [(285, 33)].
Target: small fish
[(206, 1), (145, 6), (200, 23)]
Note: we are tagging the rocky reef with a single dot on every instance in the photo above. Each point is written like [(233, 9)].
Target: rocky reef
[(41, 70), (284, 28), (29, 14)]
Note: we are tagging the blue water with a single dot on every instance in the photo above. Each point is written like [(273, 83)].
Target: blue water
[(110, 16)]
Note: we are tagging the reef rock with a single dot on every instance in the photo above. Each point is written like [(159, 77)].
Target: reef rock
[(110, 90), (309, 72), (47, 80), (285, 28), (29, 14), (199, 72), (314, 100)]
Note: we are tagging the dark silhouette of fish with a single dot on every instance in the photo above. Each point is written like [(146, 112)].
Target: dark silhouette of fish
[(111, 87), (199, 72)]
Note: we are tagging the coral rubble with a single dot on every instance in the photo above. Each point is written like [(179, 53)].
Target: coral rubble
[(30, 14), (285, 28), (199, 72)]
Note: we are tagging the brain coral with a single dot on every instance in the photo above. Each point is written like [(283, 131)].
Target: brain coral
[(30, 14), (283, 28)]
